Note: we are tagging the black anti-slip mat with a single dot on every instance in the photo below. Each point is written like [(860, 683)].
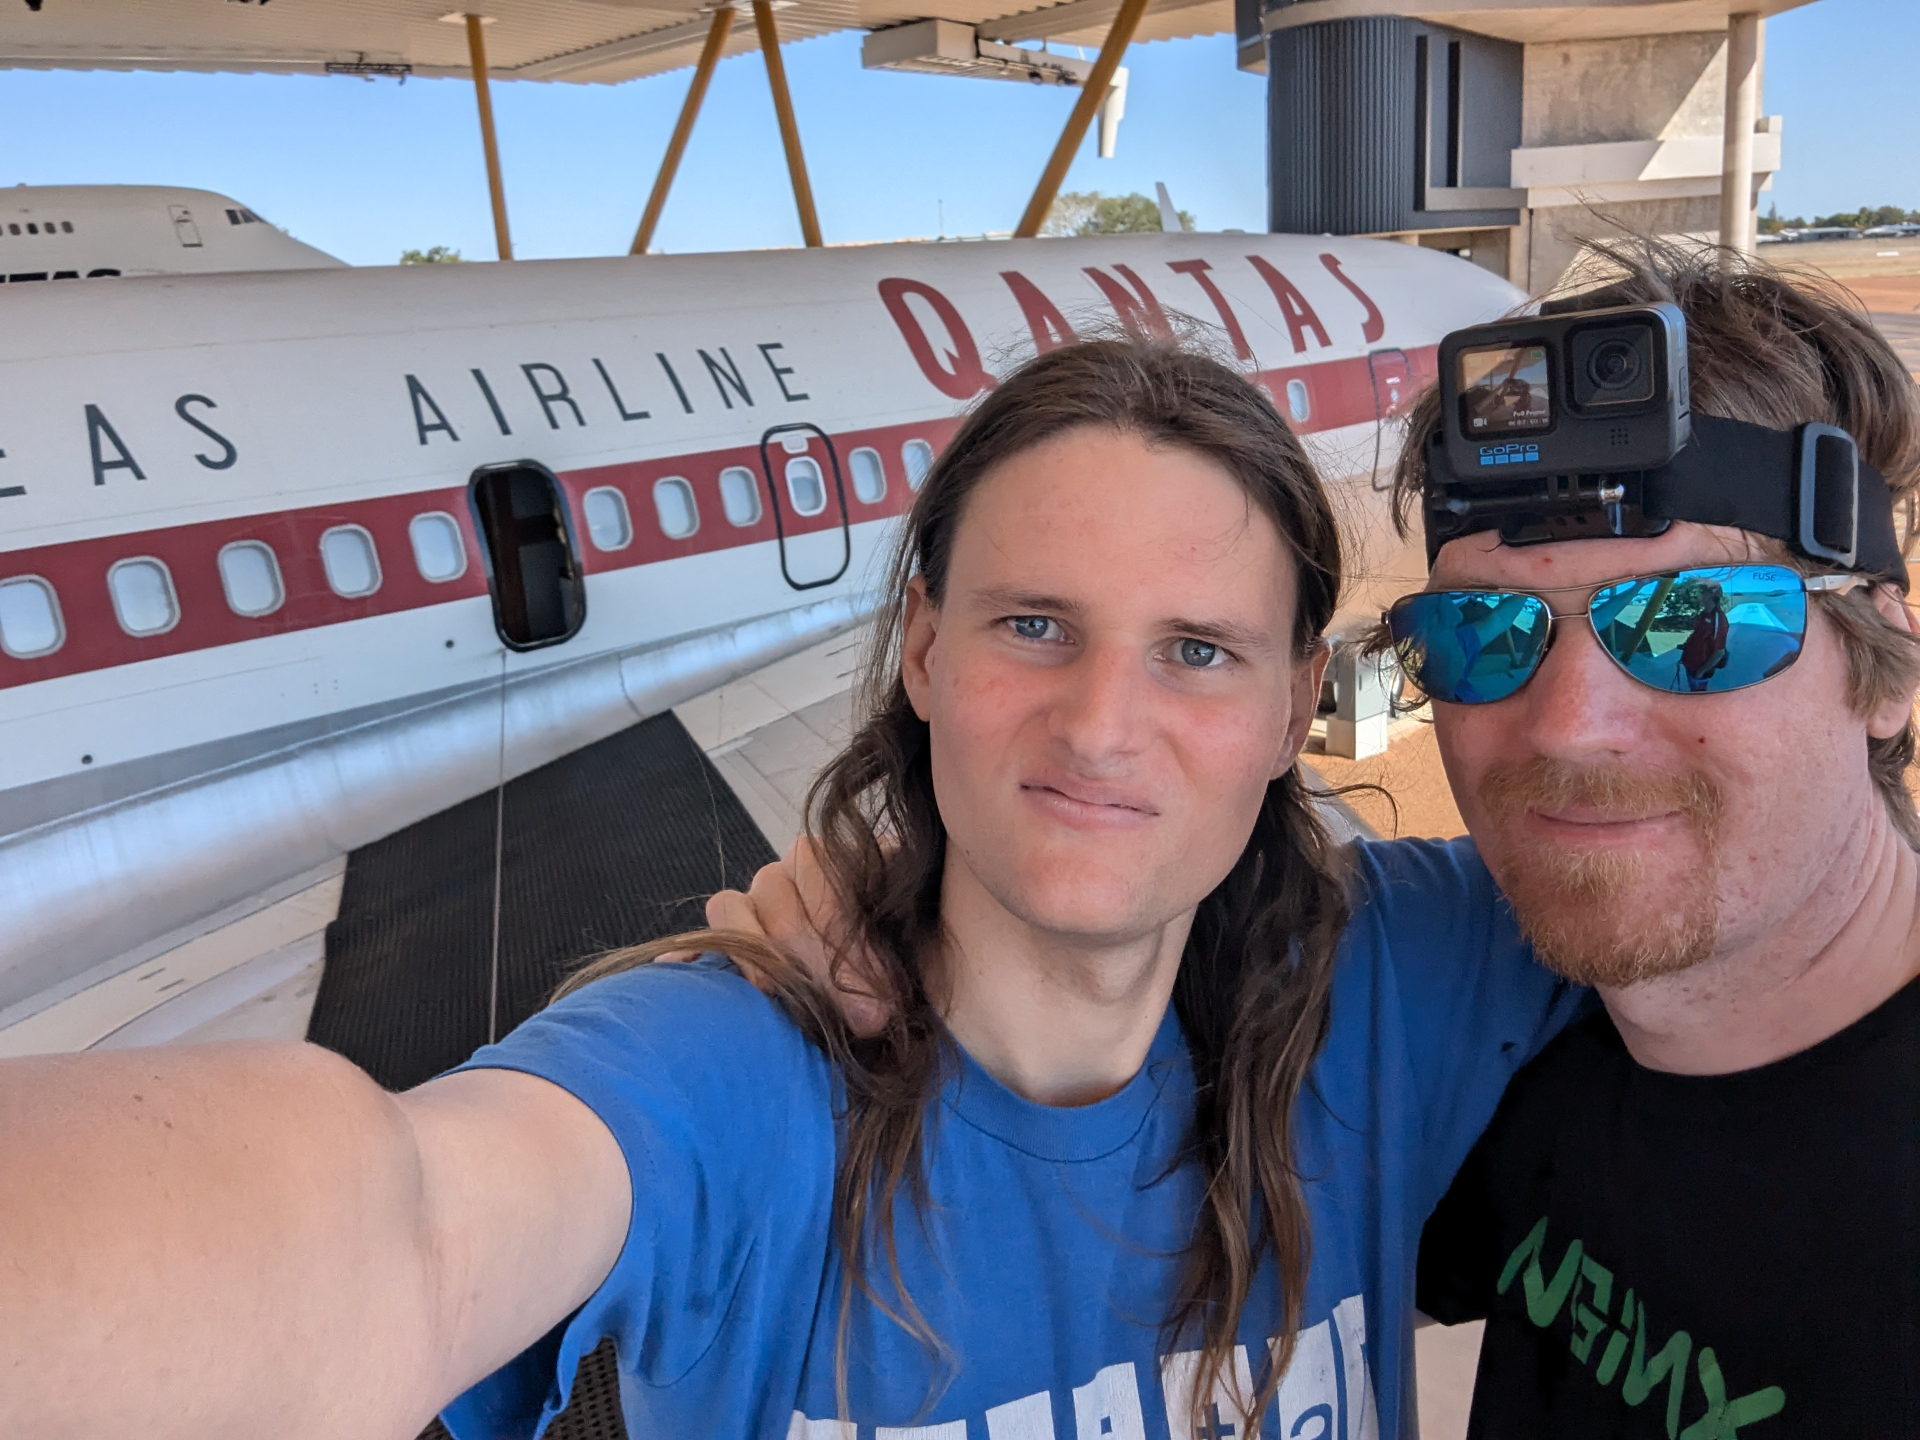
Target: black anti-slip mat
[(615, 844)]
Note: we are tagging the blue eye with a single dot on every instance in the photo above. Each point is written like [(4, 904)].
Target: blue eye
[(1198, 653), (1031, 627)]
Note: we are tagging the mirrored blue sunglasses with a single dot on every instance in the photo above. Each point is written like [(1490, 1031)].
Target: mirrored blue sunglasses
[(1689, 632)]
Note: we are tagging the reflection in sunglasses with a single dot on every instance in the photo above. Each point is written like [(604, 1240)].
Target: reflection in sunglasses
[(1700, 631)]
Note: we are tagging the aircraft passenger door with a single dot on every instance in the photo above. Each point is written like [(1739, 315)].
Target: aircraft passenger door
[(1392, 376), (809, 500), (533, 561), (184, 230), (1392, 379)]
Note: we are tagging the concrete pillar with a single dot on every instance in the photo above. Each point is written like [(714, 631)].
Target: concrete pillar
[(1362, 697), (1626, 133), (1743, 108)]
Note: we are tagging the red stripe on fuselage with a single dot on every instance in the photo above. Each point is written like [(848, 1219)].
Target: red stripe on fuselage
[(1340, 394)]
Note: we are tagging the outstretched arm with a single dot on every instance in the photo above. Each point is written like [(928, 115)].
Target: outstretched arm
[(251, 1240)]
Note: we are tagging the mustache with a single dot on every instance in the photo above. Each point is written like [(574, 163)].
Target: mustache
[(1515, 787)]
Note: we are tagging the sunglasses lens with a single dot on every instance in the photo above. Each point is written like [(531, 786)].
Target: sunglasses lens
[(1702, 632), (1469, 647)]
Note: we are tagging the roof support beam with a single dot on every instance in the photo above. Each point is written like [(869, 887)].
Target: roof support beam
[(477, 52), (1736, 167), (1092, 94), (1071, 18), (789, 131), (717, 33)]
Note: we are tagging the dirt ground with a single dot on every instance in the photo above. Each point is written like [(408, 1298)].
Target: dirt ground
[(1883, 274), (1400, 793)]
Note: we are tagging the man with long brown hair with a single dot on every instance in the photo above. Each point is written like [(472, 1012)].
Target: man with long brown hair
[(1167, 1086)]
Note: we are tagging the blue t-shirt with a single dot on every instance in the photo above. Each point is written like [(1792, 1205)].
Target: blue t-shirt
[(1047, 1259)]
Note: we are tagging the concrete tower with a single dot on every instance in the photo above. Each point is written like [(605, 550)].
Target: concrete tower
[(1510, 130)]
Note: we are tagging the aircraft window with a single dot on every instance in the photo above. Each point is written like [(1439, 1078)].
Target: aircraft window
[(233, 217), (609, 525), (13, 229), (673, 502), (32, 229), (869, 475), (29, 618), (66, 227), (806, 485), (740, 495), (352, 564), (250, 575), (917, 456), (438, 552), (1299, 403), (143, 598)]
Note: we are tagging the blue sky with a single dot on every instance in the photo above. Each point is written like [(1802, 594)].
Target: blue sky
[(366, 169)]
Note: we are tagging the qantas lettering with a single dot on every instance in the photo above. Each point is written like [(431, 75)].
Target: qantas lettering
[(1294, 308), (1326, 1394), (954, 368), (949, 357)]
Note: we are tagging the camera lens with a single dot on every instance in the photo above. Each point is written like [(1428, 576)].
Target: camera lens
[(1613, 364)]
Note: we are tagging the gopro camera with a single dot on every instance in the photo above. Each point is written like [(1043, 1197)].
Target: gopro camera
[(1550, 425), (1593, 392)]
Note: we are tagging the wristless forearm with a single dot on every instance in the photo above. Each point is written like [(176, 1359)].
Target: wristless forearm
[(205, 1242)]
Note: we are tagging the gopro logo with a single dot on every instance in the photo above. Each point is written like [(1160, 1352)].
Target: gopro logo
[(1518, 452)]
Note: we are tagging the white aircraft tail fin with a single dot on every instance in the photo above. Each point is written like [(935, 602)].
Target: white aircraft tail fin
[(1169, 217)]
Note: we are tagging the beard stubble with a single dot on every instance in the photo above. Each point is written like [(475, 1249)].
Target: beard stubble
[(1604, 916)]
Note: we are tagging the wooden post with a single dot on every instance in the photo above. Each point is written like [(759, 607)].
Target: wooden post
[(1092, 94), (789, 131), (1743, 96), (683, 128), (477, 53)]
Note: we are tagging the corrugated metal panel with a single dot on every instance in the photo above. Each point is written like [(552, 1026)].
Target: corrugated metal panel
[(1340, 126)]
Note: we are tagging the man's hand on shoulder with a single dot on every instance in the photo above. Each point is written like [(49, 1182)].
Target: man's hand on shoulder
[(791, 904)]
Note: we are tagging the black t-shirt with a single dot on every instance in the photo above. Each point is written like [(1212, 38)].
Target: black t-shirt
[(1694, 1257)]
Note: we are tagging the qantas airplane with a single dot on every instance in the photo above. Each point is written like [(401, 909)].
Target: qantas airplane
[(291, 560), (73, 232)]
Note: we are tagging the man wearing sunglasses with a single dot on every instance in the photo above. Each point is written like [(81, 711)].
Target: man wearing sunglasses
[(1681, 751)]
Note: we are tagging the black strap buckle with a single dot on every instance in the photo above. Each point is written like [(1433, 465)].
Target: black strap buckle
[(1827, 491)]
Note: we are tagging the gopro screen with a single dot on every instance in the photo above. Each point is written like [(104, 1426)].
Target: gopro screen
[(1505, 389)]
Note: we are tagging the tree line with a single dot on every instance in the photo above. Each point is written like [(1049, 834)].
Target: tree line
[(1865, 218)]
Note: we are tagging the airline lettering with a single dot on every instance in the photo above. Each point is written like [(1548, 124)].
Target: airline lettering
[(109, 452), (560, 403), (942, 345), (955, 368), (1326, 1394)]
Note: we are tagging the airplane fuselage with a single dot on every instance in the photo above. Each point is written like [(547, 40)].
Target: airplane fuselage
[(248, 523)]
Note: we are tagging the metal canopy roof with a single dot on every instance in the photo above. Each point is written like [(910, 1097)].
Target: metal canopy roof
[(592, 41)]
